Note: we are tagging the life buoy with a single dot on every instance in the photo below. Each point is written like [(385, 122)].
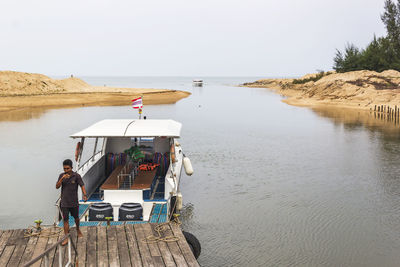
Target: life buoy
[(172, 152), (77, 150)]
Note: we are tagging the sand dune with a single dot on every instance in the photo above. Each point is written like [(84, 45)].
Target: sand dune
[(21, 90), (357, 89)]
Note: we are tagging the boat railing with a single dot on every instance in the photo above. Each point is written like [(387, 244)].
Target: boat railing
[(91, 159), (45, 254), (124, 181), (124, 178), (58, 211)]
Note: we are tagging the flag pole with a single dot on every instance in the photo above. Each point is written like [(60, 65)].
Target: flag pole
[(140, 109)]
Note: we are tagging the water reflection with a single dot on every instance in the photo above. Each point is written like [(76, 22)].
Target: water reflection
[(22, 114), (384, 133), (354, 119)]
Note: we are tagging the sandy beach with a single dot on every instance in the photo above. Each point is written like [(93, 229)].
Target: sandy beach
[(28, 90), (357, 89)]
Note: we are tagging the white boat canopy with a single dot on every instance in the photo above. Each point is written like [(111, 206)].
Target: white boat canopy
[(131, 128)]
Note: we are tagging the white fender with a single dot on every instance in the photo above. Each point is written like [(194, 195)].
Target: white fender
[(188, 166), (179, 201)]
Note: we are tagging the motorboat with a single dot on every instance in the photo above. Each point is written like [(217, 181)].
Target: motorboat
[(132, 171), (198, 83)]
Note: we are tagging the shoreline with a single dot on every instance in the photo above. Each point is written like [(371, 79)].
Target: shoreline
[(20, 90), (79, 99), (360, 90)]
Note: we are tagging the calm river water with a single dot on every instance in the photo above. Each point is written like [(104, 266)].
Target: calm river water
[(274, 185)]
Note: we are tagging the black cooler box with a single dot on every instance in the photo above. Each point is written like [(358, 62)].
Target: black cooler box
[(130, 212), (99, 211)]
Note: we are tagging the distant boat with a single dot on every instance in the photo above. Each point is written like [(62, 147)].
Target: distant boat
[(197, 82)]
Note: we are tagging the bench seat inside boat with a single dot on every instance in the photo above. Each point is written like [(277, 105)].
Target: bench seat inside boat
[(112, 180), (143, 179)]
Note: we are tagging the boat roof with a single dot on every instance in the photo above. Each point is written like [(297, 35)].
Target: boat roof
[(131, 128)]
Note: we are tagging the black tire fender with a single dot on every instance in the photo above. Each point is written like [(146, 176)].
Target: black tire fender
[(194, 243)]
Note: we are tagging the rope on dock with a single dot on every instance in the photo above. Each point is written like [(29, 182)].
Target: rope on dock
[(46, 232), (161, 229)]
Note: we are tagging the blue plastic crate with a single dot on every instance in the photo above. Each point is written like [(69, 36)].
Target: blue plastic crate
[(162, 218), (112, 223), (164, 209), (88, 223), (154, 218), (134, 222), (82, 209)]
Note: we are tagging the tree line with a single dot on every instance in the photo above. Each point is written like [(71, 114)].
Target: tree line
[(382, 53)]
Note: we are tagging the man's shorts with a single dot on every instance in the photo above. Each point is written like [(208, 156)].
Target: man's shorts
[(73, 210)]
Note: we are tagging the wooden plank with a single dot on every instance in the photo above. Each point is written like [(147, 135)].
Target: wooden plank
[(164, 250), (184, 246), (123, 251), (112, 181), (30, 246), (91, 255), (133, 246), (57, 233), (56, 251), (6, 255), (81, 247), (75, 240), (74, 237), (113, 258), (17, 239), (16, 256), (102, 254), (153, 247), (143, 247), (4, 239), (39, 249), (175, 250)]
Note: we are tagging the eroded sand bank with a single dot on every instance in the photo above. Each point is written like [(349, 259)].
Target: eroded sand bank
[(356, 89), (28, 90)]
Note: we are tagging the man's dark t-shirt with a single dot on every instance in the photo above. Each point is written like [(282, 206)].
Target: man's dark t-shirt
[(69, 190)]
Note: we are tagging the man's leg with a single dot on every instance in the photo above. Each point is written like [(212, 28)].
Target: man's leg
[(65, 212), (75, 214), (78, 231)]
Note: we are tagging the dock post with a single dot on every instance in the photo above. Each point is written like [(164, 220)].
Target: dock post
[(375, 108)]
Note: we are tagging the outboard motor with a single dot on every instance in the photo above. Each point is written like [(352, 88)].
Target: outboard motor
[(130, 212), (99, 211)]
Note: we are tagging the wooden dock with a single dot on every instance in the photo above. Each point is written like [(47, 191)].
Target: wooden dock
[(121, 245)]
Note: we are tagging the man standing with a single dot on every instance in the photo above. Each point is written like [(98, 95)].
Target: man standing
[(69, 181)]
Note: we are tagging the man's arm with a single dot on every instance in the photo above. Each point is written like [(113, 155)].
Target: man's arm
[(84, 193), (59, 182)]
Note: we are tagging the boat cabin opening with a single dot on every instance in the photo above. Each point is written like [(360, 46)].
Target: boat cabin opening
[(131, 165)]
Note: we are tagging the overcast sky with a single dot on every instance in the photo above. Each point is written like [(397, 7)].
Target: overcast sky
[(182, 37)]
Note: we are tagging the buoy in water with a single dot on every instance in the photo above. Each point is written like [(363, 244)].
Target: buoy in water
[(188, 166)]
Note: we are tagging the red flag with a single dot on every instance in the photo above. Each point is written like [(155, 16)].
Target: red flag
[(137, 103)]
